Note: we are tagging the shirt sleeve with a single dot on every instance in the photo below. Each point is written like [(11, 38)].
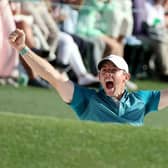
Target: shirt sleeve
[(80, 99), (151, 100)]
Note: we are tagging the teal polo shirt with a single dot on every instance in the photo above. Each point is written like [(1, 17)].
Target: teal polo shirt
[(93, 105)]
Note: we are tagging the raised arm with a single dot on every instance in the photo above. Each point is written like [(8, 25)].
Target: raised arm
[(42, 68), (163, 99)]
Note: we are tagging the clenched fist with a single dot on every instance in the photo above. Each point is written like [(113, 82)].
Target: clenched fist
[(17, 39)]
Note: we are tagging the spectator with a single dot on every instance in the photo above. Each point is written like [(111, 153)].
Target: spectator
[(109, 20), (157, 34), (137, 50), (139, 14), (25, 22), (66, 12), (65, 44), (45, 22), (66, 15), (165, 5), (8, 56)]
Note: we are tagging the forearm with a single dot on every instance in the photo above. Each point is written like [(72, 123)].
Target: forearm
[(163, 99), (43, 68)]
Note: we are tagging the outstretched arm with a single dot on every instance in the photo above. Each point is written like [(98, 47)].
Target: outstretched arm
[(42, 68), (163, 99)]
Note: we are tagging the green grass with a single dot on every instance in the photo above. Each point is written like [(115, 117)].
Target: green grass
[(38, 130), (45, 142), (34, 101)]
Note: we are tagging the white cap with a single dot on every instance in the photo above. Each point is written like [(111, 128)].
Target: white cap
[(118, 61)]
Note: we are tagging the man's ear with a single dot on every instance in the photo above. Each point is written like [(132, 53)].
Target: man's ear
[(127, 76), (99, 75)]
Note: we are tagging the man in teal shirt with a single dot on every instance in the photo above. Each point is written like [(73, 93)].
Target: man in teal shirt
[(112, 103)]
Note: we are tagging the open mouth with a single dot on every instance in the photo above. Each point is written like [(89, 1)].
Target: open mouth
[(109, 84)]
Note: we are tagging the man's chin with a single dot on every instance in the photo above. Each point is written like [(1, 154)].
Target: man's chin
[(110, 92)]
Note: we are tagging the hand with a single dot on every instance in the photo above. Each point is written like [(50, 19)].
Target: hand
[(17, 39)]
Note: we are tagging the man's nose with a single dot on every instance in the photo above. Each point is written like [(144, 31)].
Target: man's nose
[(108, 73)]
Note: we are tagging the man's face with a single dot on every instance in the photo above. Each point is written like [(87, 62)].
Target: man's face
[(113, 79)]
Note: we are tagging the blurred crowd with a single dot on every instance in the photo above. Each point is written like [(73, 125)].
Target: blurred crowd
[(73, 35)]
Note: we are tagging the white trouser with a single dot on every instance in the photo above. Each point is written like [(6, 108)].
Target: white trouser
[(68, 53)]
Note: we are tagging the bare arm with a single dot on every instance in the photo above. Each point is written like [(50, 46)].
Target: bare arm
[(42, 68), (163, 99)]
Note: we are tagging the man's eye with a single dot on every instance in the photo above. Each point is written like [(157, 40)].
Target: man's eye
[(113, 70), (109, 70), (104, 71)]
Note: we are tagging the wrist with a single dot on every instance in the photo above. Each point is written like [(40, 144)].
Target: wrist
[(23, 51)]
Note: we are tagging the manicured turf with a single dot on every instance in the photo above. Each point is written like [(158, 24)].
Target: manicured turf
[(38, 130), (34, 101), (43, 142)]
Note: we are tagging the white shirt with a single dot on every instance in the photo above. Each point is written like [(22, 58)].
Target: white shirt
[(154, 12)]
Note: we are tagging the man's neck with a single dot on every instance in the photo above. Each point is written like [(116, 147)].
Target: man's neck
[(118, 96)]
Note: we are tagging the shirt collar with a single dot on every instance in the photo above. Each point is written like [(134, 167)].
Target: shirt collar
[(125, 94)]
